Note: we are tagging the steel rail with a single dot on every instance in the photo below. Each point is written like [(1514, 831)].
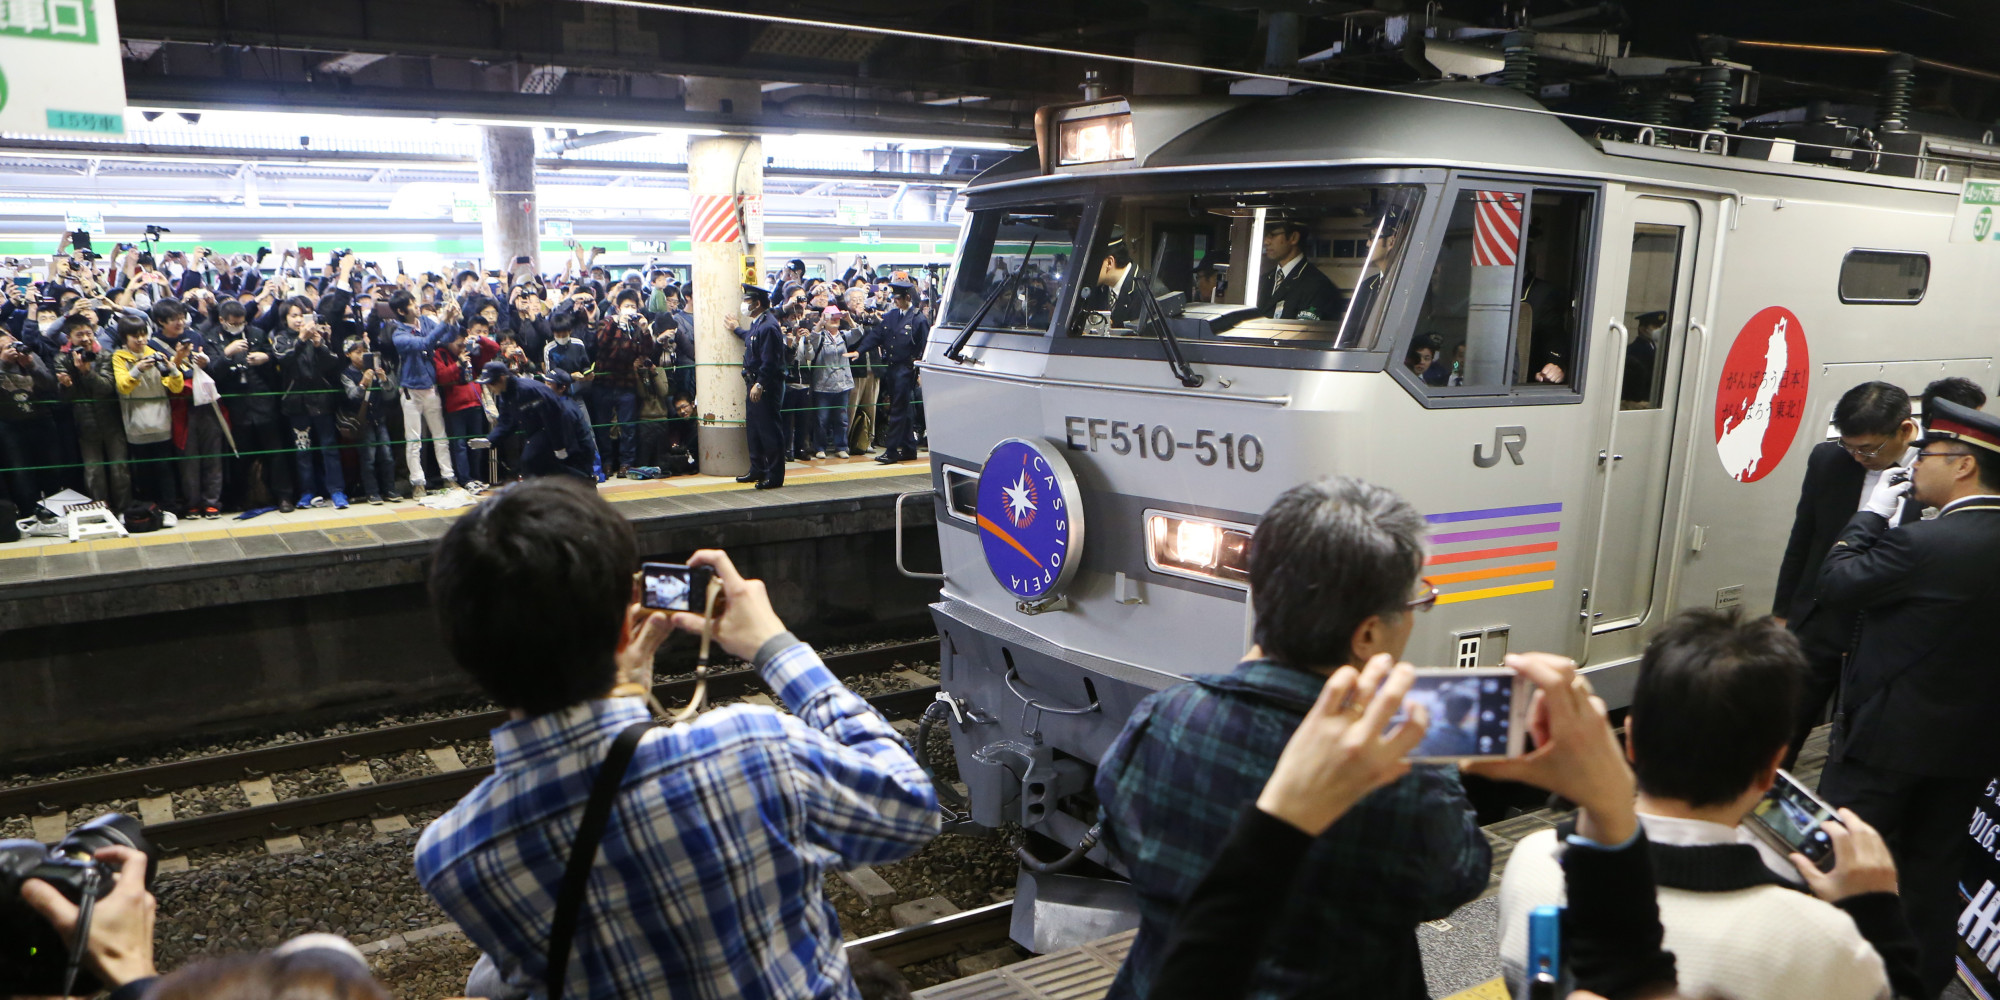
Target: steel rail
[(53, 796), (940, 937)]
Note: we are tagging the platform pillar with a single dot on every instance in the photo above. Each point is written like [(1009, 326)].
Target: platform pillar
[(507, 175), (725, 171)]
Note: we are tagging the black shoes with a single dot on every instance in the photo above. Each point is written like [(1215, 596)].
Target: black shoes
[(769, 485), (747, 478)]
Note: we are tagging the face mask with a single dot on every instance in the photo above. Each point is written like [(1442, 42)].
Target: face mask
[(743, 312)]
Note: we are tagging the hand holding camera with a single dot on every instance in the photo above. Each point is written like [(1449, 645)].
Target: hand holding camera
[(744, 620), (1576, 754), (1340, 752), (106, 860)]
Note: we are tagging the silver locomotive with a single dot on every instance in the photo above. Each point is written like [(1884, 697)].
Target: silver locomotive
[(1595, 363)]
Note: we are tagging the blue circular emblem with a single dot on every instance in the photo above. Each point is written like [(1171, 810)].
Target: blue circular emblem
[(1029, 521)]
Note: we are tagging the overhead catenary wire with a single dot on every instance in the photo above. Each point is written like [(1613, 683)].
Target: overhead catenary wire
[(1170, 64)]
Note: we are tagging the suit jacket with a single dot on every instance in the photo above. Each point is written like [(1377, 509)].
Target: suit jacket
[(1920, 692), (1827, 501), (1307, 291)]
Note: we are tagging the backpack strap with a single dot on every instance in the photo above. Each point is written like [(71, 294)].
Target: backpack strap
[(583, 854)]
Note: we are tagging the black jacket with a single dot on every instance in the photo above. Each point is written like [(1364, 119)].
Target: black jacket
[(1307, 294), (1828, 498), (1920, 691)]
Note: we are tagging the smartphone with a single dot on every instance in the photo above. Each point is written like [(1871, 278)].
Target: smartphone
[(1788, 818), (1475, 712), (522, 260), (673, 587), (22, 281), (367, 360), (80, 240), (1545, 969)]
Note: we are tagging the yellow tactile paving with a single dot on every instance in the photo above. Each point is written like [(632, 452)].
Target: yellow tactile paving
[(202, 529)]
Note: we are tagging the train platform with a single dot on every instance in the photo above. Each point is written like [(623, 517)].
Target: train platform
[(205, 562), (213, 624), (1461, 957)]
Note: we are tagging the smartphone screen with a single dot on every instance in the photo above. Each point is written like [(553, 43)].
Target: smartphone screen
[(1472, 712), (367, 360), (1791, 816), (672, 587)]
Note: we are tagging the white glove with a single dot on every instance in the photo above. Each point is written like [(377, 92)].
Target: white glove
[(1890, 490), (562, 452)]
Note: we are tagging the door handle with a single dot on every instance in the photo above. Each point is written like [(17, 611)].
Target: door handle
[(1602, 455)]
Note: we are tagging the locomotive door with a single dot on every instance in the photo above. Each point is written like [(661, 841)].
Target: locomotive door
[(1648, 334)]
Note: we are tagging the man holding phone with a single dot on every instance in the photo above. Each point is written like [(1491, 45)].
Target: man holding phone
[(1335, 577), (708, 878), (1912, 739), (1710, 719)]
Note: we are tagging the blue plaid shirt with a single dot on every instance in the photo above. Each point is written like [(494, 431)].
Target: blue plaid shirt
[(708, 880), (1193, 757)]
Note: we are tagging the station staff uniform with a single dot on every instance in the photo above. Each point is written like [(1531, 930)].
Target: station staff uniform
[(1835, 487), (1298, 290), (764, 357), (1912, 746), (901, 336), (539, 414)]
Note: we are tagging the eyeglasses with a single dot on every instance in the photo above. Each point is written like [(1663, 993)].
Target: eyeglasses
[(1425, 602), (1865, 453), (1939, 454)]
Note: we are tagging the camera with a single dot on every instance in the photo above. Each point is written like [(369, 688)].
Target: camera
[(674, 587), (153, 232), (33, 959)]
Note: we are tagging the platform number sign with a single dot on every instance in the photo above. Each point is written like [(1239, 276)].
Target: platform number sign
[(61, 72), (1030, 519)]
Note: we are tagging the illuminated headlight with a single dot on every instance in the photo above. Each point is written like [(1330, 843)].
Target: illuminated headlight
[(1198, 548), (1095, 140)]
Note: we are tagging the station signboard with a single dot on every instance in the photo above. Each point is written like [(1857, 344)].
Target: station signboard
[(61, 72)]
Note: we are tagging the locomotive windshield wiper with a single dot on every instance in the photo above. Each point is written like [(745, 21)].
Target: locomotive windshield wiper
[(956, 351), (1156, 318)]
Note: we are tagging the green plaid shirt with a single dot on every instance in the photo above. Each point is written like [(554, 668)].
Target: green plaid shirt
[(1193, 757)]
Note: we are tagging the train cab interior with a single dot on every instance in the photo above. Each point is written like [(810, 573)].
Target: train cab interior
[(1498, 285)]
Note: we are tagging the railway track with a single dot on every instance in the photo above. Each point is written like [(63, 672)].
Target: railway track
[(283, 818)]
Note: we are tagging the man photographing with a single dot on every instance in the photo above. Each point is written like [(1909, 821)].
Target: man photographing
[(1912, 740), (707, 879)]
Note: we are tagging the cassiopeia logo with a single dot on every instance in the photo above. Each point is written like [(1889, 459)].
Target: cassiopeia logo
[(1021, 507)]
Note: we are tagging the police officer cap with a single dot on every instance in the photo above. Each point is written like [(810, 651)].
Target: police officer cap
[(1948, 421), (492, 371), (757, 294), (1657, 317), (796, 264), (903, 287), (556, 376)]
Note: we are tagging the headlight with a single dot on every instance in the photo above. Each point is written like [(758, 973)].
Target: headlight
[(1095, 140), (1198, 548)]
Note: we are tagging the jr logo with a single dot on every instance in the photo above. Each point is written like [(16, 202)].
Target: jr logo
[(1513, 439)]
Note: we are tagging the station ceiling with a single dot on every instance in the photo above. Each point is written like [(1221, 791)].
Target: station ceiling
[(634, 64)]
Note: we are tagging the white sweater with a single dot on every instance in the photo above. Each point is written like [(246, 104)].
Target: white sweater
[(1766, 942)]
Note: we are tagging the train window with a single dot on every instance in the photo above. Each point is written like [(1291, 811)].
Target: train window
[(1283, 269), (1035, 242), (1649, 303), (1501, 309), (1884, 276)]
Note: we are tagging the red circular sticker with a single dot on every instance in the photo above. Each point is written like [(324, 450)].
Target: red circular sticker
[(1762, 395)]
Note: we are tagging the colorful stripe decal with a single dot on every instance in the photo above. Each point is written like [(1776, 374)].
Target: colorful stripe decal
[(1492, 512), (1504, 551), (1480, 595), (1520, 569), (1446, 540), (1451, 537)]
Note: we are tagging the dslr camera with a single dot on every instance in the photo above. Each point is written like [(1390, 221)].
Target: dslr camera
[(33, 959)]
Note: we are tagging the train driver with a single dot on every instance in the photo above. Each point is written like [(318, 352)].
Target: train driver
[(1117, 290), (1293, 287), (1382, 241)]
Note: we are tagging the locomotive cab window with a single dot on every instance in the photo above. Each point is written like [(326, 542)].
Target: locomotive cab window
[(1504, 303), (1884, 276), (1293, 269), (1018, 258)]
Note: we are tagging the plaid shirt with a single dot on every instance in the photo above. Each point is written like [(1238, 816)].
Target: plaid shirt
[(1193, 757), (708, 879)]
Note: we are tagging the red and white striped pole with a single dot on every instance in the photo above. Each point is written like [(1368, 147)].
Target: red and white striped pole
[(1496, 251)]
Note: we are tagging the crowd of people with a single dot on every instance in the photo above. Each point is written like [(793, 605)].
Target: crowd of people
[(1278, 838), (200, 384)]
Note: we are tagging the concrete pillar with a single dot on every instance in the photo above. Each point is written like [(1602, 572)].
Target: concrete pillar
[(507, 174), (726, 165)]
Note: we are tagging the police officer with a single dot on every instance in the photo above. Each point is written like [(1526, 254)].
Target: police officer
[(764, 357), (1912, 741), (901, 336), (538, 413)]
